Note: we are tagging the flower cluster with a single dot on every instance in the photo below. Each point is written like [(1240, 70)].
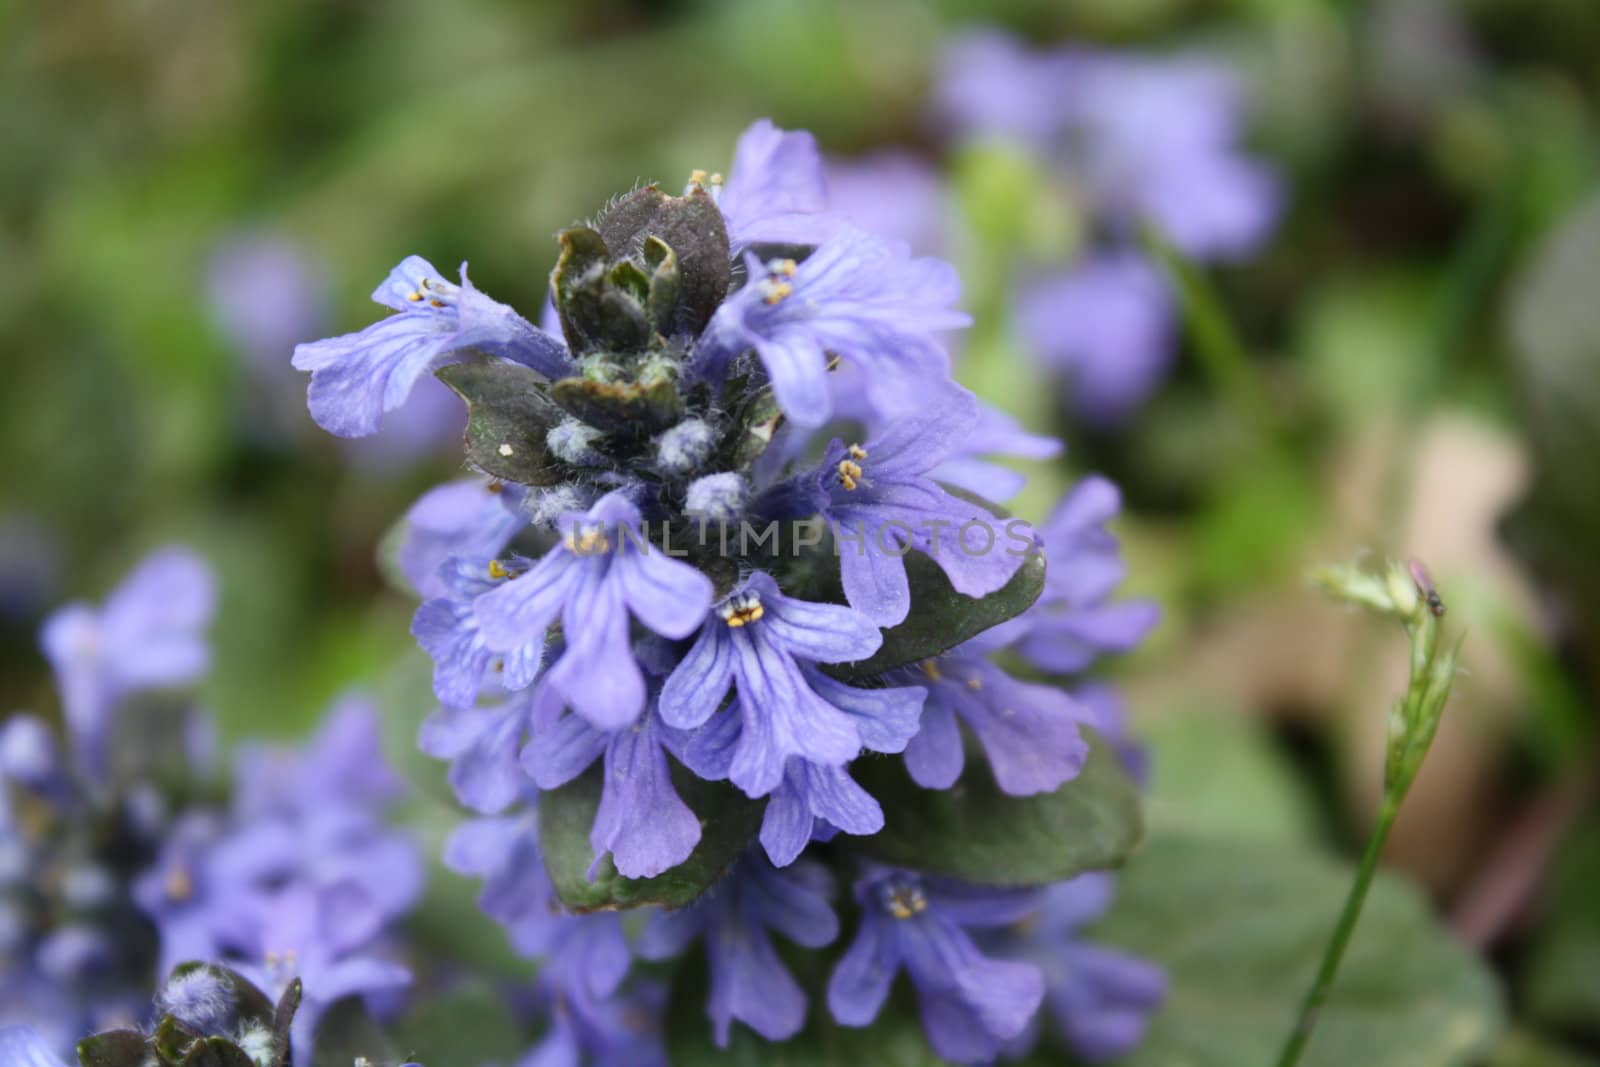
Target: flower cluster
[(115, 866), (1133, 141), (728, 525)]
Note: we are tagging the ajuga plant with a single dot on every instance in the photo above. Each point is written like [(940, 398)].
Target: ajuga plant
[(726, 628), (124, 857)]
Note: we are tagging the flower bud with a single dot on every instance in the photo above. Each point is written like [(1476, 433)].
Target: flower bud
[(717, 497), (685, 447), (572, 441)]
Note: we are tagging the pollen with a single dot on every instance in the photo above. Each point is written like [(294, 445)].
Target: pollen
[(498, 570), (742, 610), (590, 542), (505, 450), (778, 291), (849, 473), (415, 298), (857, 452), (783, 268), (697, 177), (930, 667), (974, 683), (906, 901)]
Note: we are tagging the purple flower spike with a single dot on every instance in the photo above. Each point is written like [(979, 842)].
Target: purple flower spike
[(882, 504), (855, 297), (601, 572), (776, 189), (748, 980), (760, 642), (642, 821), (1102, 1000), (1030, 733), (359, 376), (971, 1005), (447, 629), (148, 635)]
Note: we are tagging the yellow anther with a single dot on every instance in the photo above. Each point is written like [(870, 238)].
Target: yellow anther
[(716, 178), (437, 303), (974, 683), (415, 298), (857, 452), (590, 542), (930, 667), (906, 902), (498, 570), (697, 177), (785, 268), (777, 291), (742, 611), (849, 473)]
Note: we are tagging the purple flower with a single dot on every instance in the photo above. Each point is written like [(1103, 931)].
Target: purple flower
[(812, 800), (1158, 142), (342, 766), (503, 851), (990, 85), (762, 643), (602, 571), (882, 504), (196, 905), (1101, 1000), (590, 1020), (266, 295), (324, 939), (21, 1046), (447, 629), (481, 745), (1074, 622), (892, 194), (971, 1005), (1107, 328), (470, 518), (1029, 732), (856, 297), (994, 434), (776, 189), (748, 980), (357, 377), (148, 635), (641, 821)]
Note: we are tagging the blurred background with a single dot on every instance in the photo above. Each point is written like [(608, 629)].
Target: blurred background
[(1403, 358)]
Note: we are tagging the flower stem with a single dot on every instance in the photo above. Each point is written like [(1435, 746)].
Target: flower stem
[(1334, 954)]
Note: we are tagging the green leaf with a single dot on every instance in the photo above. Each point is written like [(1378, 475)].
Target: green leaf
[(114, 1048), (216, 1052), (975, 832), (728, 820), (621, 407), (1240, 928), (942, 618), (508, 418), (468, 1025), (693, 228)]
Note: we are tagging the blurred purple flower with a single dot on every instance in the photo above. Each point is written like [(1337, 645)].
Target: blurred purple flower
[(748, 980), (147, 635), (776, 189), (470, 517), (591, 1019), (892, 194), (971, 1005)]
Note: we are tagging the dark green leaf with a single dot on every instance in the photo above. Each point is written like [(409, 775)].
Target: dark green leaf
[(975, 832), (942, 618), (470, 1025), (508, 419), (728, 820), (348, 1033), (170, 1040), (114, 1048), (1240, 928), (627, 408), (283, 1015), (666, 281), (216, 1052), (693, 227)]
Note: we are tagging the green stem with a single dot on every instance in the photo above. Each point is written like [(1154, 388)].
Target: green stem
[(1217, 346), (1334, 955)]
